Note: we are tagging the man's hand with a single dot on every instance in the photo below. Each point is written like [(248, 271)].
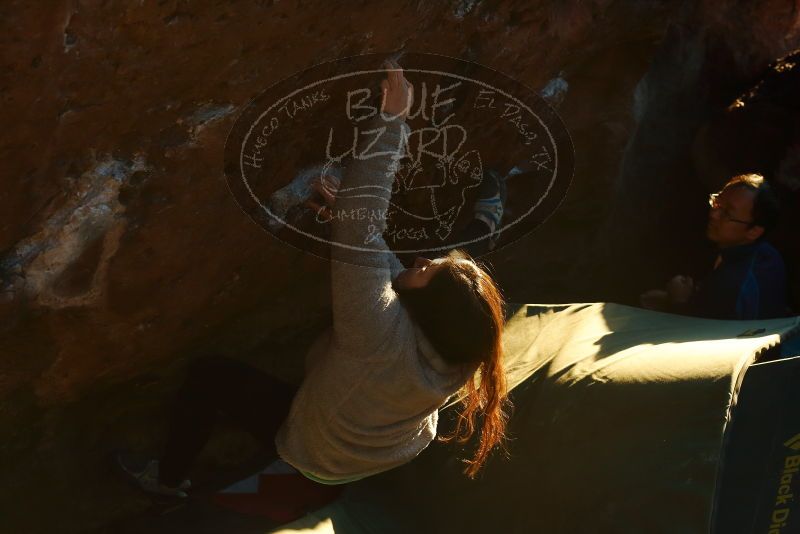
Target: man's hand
[(680, 289), (398, 93)]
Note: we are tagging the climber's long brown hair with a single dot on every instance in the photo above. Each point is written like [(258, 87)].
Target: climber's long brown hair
[(461, 311)]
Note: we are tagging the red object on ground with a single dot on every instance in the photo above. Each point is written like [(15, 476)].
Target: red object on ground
[(280, 497)]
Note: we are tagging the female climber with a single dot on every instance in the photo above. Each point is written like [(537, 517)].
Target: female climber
[(403, 342)]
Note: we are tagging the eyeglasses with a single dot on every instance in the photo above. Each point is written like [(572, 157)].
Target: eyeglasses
[(715, 205)]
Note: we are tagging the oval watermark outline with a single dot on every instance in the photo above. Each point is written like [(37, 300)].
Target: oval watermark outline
[(505, 227), (395, 251)]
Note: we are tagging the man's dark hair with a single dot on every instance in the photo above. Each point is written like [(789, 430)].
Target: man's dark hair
[(766, 208)]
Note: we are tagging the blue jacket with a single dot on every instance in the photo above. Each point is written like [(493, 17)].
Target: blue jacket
[(749, 283)]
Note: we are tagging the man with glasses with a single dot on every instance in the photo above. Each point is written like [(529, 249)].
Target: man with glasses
[(748, 280)]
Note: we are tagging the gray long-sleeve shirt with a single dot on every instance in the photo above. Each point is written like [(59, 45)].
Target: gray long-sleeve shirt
[(374, 382)]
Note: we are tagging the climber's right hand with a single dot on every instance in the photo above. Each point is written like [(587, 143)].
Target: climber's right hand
[(398, 93)]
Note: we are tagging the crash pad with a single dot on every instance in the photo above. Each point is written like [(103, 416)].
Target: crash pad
[(618, 425)]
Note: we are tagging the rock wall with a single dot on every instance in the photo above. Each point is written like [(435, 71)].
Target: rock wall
[(124, 255)]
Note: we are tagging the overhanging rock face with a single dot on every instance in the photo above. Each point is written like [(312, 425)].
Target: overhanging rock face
[(123, 254)]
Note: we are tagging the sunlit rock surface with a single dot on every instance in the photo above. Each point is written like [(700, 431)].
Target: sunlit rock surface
[(124, 254)]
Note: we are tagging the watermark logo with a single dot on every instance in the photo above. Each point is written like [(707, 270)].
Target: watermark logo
[(473, 134)]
